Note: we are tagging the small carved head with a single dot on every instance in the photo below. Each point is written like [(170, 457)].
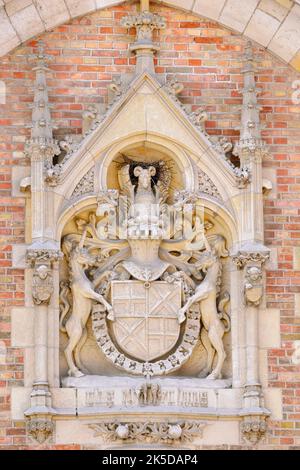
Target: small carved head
[(42, 271), (254, 274)]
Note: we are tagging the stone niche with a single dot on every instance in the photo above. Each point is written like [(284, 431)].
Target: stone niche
[(93, 358)]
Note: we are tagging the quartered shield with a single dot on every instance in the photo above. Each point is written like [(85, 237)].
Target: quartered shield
[(146, 325)]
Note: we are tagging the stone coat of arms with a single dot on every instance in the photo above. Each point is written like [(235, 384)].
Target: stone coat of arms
[(144, 267)]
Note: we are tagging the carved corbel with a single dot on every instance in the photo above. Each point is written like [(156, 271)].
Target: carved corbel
[(242, 258), (252, 263), (40, 427), (253, 429), (42, 280)]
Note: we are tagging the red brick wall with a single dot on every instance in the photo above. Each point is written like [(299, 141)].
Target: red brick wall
[(88, 53)]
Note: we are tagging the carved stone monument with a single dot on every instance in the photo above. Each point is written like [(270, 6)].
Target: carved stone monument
[(146, 268)]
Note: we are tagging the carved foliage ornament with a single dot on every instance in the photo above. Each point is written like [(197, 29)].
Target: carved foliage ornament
[(243, 257), (85, 185), (40, 429), (253, 430), (151, 432)]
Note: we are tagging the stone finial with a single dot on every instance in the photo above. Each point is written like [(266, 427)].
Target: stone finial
[(41, 144), (145, 23), (250, 142)]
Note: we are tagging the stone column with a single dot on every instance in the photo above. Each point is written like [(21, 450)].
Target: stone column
[(40, 425), (237, 328)]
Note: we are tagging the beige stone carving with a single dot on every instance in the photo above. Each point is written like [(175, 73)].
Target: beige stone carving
[(253, 429), (83, 296), (145, 23), (149, 394), (42, 284), (40, 429), (253, 288), (85, 185), (151, 432), (173, 87), (216, 322), (244, 257), (171, 363), (41, 261), (146, 282), (146, 317)]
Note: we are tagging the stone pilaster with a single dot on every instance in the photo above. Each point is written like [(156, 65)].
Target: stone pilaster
[(250, 263), (40, 413)]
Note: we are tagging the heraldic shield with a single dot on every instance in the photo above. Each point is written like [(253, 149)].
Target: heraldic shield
[(146, 317)]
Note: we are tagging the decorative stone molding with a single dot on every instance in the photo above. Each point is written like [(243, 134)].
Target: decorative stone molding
[(52, 174), (34, 256), (241, 258), (198, 117), (86, 184), (40, 428), (253, 429), (221, 144), (206, 185), (89, 117), (173, 87), (70, 142), (149, 432)]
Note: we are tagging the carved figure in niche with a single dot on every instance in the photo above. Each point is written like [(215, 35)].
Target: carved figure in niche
[(253, 289), (83, 295), (216, 322), (159, 260), (42, 284)]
